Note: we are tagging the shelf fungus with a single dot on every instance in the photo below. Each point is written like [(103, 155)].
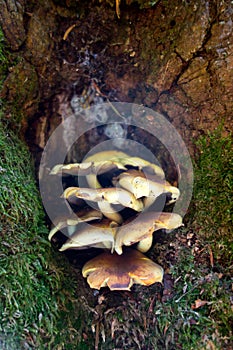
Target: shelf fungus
[(112, 214), (120, 272)]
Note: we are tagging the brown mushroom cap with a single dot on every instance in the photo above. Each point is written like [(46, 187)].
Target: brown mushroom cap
[(121, 272), (143, 227)]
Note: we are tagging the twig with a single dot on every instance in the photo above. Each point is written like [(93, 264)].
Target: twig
[(67, 32), (97, 335)]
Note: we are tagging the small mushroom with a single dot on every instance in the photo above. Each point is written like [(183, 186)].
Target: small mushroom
[(103, 156), (142, 228), (98, 235), (104, 198), (121, 272), (83, 215), (141, 186), (141, 164)]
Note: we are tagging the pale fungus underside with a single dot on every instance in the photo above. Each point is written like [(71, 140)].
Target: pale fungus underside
[(121, 217)]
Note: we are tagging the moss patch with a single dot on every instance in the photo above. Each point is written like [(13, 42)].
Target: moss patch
[(37, 292)]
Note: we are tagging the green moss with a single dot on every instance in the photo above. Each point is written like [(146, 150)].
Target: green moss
[(203, 270), (37, 291), (213, 190)]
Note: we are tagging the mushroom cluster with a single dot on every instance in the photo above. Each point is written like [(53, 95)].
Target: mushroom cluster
[(113, 213)]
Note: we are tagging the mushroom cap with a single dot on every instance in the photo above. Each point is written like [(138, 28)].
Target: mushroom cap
[(124, 159), (121, 272), (141, 164), (82, 215), (169, 221), (104, 198), (110, 195), (143, 185), (143, 227), (139, 185), (105, 155), (86, 168), (98, 235), (174, 192)]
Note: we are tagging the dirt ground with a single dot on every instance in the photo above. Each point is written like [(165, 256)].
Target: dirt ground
[(175, 58)]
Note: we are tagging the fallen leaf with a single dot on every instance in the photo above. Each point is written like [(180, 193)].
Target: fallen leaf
[(199, 303)]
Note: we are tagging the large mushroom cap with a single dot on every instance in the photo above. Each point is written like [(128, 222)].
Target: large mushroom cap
[(106, 155), (118, 157), (121, 272), (86, 168), (98, 235), (142, 228)]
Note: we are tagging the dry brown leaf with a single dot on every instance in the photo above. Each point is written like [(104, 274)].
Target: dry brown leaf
[(199, 303)]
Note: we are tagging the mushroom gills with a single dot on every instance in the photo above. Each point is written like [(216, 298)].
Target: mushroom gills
[(121, 272)]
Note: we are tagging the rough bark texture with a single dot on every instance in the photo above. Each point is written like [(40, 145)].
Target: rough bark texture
[(11, 19), (175, 58)]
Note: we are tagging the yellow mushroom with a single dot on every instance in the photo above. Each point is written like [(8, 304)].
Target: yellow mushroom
[(141, 164), (118, 157), (121, 272), (102, 157), (83, 215), (97, 235), (104, 198), (142, 228), (142, 186), (86, 168)]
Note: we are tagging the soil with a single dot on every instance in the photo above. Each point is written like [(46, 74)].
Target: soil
[(175, 58)]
